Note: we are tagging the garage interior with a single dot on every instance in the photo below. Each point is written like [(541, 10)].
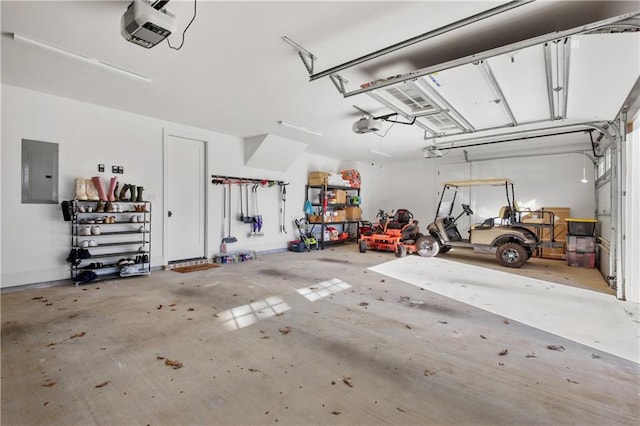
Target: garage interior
[(220, 320)]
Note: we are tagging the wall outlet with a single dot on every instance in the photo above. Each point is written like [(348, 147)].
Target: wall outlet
[(101, 167)]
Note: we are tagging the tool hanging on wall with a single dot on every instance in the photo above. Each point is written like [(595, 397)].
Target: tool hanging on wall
[(283, 206), (227, 212), (256, 229), (244, 194)]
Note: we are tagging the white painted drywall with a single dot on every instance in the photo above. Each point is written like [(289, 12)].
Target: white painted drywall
[(548, 181), (36, 240)]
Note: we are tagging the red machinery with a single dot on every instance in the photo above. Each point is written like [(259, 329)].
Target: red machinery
[(398, 233)]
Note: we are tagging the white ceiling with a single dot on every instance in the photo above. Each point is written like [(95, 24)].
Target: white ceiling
[(236, 75)]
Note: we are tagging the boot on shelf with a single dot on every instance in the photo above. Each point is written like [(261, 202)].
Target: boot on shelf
[(112, 187), (133, 193), (98, 184), (139, 198), (123, 192), (109, 207), (81, 189), (115, 192), (100, 207), (92, 193)]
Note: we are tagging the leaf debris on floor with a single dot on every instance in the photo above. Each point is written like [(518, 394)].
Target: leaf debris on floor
[(101, 385), (555, 347), (503, 352), (170, 362), (285, 330), (347, 381)]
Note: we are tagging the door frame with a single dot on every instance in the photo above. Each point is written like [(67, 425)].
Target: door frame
[(166, 134)]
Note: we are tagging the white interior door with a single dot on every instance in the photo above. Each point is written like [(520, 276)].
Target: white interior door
[(186, 181)]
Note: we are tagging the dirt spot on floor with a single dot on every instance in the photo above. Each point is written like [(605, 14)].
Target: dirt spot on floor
[(330, 260)]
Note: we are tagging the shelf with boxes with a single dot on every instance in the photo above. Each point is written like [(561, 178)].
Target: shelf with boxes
[(334, 210), (109, 244)]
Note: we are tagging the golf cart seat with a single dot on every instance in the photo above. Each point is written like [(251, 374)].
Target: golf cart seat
[(487, 224), (401, 219)]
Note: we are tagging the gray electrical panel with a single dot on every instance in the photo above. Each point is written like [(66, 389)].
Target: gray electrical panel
[(39, 172)]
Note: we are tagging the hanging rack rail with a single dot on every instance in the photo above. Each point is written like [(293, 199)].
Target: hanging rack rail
[(235, 180)]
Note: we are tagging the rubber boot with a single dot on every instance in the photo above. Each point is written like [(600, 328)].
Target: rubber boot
[(123, 192), (115, 192), (112, 186), (139, 198), (92, 193), (98, 184), (133, 193), (81, 189)]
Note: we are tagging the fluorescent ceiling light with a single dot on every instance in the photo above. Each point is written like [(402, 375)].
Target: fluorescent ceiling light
[(79, 56), (301, 128), (384, 154)]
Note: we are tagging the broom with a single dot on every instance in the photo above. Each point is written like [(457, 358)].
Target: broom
[(229, 238)]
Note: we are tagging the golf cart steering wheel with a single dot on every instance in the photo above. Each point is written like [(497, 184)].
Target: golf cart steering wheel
[(467, 209)]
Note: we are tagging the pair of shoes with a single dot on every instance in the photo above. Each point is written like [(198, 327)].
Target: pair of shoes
[(89, 243), (84, 230), (95, 230), (110, 219), (95, 265), (140, 208), (136, 219), (124, 262)]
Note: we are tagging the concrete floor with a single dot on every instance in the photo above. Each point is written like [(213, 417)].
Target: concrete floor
[(276, 341)]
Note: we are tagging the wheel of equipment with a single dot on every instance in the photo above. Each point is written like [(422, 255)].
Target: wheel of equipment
[(427, 246), (511, 255), (363, 246), (401, 251)]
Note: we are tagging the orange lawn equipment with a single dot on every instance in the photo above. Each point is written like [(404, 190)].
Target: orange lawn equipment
[(397, 232)]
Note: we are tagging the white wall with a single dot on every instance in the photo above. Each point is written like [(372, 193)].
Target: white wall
[(36, 240), (545, 181)]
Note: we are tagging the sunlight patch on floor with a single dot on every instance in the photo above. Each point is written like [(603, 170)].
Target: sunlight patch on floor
[(587, 317)]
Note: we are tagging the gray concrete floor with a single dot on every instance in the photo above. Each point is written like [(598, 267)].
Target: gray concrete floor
[(380, 352)]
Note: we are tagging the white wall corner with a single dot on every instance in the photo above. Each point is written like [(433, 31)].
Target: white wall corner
[(271, 152)]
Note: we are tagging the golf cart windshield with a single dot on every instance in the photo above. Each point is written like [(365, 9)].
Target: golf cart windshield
[(451, 189)]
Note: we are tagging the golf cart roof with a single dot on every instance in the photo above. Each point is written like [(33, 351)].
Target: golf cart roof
[(478, 182)]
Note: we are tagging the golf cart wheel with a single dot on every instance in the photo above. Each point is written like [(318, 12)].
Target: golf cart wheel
[(401, 251), (363, 246), (427, 246), (511, 255)]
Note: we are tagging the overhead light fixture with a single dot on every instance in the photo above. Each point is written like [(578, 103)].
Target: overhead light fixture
[(584, 167), (79, 56), (384, 154), (301, 128)]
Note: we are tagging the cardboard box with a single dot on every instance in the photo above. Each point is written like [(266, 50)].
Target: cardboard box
[(318, 178), (354, 213), (341, 196), (339, 215)]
